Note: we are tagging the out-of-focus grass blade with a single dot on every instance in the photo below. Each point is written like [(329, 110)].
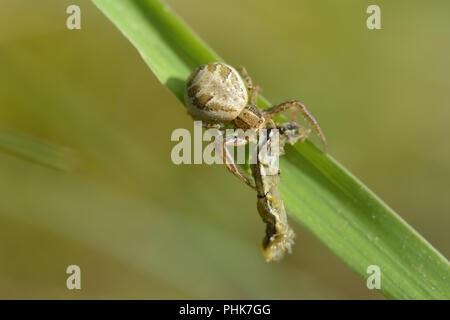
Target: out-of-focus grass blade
[(318, 192), (36, 150)]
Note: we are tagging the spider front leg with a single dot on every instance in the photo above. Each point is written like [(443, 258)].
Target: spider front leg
[(228, 161), (253, 90), (292, 105)]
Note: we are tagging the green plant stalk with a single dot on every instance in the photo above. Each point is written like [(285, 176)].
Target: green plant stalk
[(318, 192), (38, 151)]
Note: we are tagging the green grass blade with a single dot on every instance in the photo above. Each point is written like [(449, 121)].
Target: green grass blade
[(318, 192), (38, 151)]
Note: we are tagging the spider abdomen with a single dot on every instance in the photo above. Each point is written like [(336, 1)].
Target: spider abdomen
[(215, 92)]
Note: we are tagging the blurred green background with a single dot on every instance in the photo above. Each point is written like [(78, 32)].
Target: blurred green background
[(142, 227)]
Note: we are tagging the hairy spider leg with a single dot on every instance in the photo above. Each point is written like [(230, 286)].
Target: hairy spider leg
[(228, 160), (291, 105), (253, 90)]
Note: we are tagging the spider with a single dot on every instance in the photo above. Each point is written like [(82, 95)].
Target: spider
[(216, 94)]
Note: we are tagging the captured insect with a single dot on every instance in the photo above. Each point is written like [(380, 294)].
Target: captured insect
[(279, 236), (216, 94)]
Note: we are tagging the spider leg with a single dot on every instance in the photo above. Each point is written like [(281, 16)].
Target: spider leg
[(291, 105), (272, 123), (227, 158), (253, 90)]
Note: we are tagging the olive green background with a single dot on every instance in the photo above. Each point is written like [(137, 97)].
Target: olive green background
[(142, 227)]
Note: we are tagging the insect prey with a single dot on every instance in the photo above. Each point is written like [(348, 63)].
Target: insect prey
[(279, 236)]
